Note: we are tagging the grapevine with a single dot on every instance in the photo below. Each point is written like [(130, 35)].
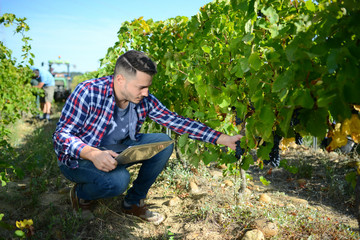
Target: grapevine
[(16, 95), (281, 58)]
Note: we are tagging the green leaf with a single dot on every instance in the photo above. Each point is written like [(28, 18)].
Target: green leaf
[(331, 61), (246, 162), (244, 65), (339, 109), (271, 14), (241, 109), (248, 26), (253, 83), (285, 115), (199, 114), (248, 38), (310, 5), (264, 181), (254, 61), (315, 121), (303, 98), (183, 139), (19, 233), (206, 49), (326, 98), (264, 151), (265, 122), (225, 103), (235, 44), (228, 158), (291, 52), (208, 157), (283, 81), (195, 160)]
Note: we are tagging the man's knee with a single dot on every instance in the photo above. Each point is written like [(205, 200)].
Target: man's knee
[(163, 137), (118, 183)]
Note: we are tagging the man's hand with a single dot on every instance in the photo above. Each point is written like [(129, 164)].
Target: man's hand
[(103, 160), (229, 141)]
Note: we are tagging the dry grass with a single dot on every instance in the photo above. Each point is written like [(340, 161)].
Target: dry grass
[(319, 209)]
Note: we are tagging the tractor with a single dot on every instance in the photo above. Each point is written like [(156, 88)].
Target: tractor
[(62, 81)]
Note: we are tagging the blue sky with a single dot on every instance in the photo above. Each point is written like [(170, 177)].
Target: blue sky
[(82, 31)]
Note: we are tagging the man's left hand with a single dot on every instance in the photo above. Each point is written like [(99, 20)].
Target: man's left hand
[(229, 141)]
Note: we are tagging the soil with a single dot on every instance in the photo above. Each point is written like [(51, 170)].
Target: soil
[(195, 205)]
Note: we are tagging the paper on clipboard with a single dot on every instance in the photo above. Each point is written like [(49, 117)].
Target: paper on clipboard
[(141, 152)]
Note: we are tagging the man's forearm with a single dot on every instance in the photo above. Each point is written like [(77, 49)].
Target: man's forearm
[(89, 153), (40, 85)]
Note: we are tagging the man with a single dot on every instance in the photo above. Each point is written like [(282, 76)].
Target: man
[(46, 82), (111, 110)]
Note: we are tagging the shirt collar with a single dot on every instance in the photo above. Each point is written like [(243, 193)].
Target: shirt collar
[(111, 86)]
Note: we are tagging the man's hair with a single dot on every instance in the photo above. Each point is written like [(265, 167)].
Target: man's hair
[(132, 61), (36, 73)]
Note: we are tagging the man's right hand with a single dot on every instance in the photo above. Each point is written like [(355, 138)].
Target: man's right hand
[(103, 160)]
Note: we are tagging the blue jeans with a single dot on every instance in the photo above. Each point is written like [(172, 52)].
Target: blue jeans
[(93, 183)]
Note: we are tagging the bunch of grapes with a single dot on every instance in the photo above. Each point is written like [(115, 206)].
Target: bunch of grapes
[(275, 152), (239, 151)]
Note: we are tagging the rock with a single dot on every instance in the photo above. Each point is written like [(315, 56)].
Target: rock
[(254, 235), (174, 202), (268, 228), (333, 155), (319, 208), (246, 192), (228, 183), (198, 196), (292, 145), (194, 188), (300, 201), (222, 166), (290, 205), (301, 182), (265, 198), (216, 174)]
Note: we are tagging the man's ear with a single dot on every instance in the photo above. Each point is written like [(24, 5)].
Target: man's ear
[(120, 78)]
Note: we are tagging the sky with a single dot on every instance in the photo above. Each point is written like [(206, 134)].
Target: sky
[(81, 31)]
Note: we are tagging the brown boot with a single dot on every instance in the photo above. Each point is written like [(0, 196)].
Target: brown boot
[(81, 204), (140, 210)]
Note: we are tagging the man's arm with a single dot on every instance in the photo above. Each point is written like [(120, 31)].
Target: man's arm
[(40, 85), (74, 114), (181, 125)]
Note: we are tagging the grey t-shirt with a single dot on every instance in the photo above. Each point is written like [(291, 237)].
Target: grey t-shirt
[(118, 129)]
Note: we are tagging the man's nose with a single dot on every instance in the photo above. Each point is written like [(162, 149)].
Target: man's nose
[(145, 92)]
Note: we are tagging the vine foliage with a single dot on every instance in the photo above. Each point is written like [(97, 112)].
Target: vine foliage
[(281, 66), (16, 94)]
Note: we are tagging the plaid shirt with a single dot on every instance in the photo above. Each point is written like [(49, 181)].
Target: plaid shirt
[(89, 109)]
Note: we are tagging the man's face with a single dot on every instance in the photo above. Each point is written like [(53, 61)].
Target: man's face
[(36, 74), (134, 89)]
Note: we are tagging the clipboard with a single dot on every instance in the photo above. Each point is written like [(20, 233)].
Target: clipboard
[(142, 152)]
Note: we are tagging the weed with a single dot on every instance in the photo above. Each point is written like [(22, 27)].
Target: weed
[(305, 170)]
